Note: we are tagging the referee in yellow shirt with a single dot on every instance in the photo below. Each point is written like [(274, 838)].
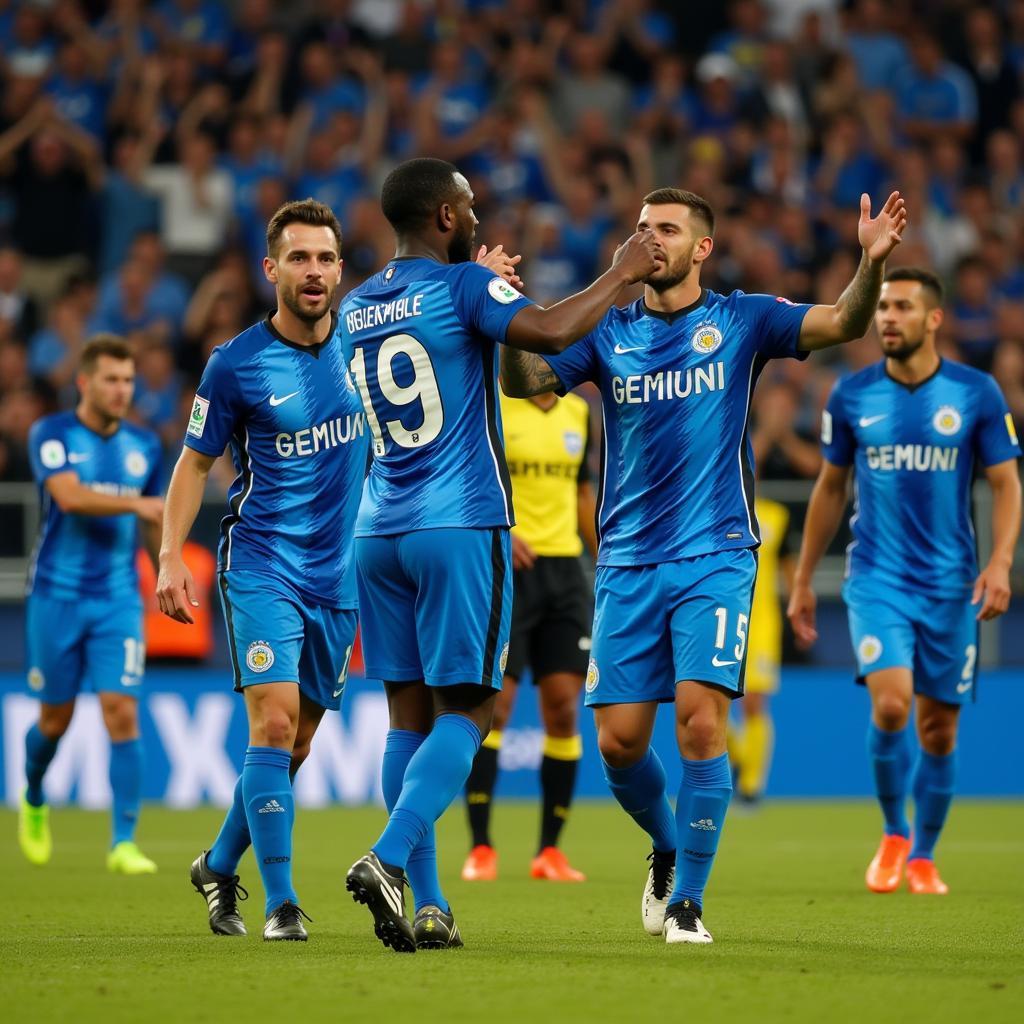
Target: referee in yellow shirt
[(547, 441)]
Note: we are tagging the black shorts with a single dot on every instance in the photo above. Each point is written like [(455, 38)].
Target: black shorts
[(552, 611)]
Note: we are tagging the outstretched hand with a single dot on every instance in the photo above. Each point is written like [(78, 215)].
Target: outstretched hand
[(880, 235)]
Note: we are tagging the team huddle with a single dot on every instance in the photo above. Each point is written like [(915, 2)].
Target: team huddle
[(372, 486)]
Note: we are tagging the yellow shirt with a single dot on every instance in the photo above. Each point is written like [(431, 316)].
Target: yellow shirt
[(766, 611), (546, 454)]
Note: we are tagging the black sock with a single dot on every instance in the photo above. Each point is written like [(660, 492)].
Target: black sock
[(557, 782), (479, 791)]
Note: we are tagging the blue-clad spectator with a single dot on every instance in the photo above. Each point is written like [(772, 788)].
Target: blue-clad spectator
[(202, 25), (248, 163), (878, 52), (451, 101), (847, 168), (744, 41), (157, 388), (975, 313), (716, 110), (30, 49), (126, 208), (79, 96), (933, 95), (327, 180), (324, 91)]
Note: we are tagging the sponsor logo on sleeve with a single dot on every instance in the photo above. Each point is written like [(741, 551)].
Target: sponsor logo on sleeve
[(52, 454), (501, 291), (826, 427), (197, 420)]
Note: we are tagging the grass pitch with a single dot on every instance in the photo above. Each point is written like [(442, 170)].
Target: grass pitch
[(798, 938)]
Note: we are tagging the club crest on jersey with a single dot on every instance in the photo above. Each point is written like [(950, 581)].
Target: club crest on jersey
[(947, 421), (593, 676), (870, 650), (573, 442), (260, 656), (706, 339), (136, 463)]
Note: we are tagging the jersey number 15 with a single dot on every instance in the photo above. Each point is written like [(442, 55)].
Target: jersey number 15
[(422, 389)]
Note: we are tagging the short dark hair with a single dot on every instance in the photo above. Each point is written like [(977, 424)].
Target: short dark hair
[(414, 190), (700, 207), (927, 279), (301, 211), (104, 344)]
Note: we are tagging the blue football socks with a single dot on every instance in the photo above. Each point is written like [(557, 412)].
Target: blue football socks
[(421, 868), (640, 791), (934, 781), (39, 752), (126, 786), (889, 754), (434, 777), (704, 795), (270, 810)]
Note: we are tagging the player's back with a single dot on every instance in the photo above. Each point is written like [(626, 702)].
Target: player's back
[(80, 556), (914, 452), (420, 339)]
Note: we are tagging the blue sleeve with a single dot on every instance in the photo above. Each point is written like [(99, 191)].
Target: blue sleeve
[(575, 364), (484, 302), (837, 441), (995, 439), (47, 451), (216, 409), (776, 324)]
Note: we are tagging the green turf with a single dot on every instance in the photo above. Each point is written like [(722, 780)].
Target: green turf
[(797, 936)]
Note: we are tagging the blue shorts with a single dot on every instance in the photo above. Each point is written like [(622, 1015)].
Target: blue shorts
[(658, 625), (90, 644), (936, 639), (437, 605), (278, 636)]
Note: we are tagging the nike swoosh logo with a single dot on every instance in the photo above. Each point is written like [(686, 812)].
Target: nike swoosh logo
[(866, 421), (275, 401), (620, 351), (75, 457), (338, 693), (721, 664), (963, 687)]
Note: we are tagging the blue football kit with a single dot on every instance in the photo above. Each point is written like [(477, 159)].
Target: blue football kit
[(82, 574), (297, 434), (912, 564), (433, 548), (678, 534)]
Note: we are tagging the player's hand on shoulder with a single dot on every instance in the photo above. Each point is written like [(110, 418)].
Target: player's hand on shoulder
[(636, 256), (501, 263), (175, 589), (150, 510), (879, 235), (992, 585), (523, 556), (801, 613)]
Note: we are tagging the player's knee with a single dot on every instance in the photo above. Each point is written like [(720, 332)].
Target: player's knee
[(299, 754), (938, 736), (560, 718), (54, 721), (891, 711), (276, 728), (620, 751)]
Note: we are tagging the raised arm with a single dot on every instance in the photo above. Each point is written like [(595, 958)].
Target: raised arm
[(850, 316), (993, 582), (175, 589), (554, 329), (824, 514)]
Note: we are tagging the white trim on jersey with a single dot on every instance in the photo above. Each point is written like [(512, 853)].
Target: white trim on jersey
[(739, 450), (604, 471), (245, 496), (847, 567), (44, 519)]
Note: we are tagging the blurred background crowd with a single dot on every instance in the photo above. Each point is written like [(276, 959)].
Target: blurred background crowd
[(143, 147)]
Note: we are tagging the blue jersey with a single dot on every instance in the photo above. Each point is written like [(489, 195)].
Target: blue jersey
[(914, 451), (677, 479), (298, 439), (420, 338), (79, 556)]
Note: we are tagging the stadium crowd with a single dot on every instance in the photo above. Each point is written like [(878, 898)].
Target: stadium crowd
[(143, 147)]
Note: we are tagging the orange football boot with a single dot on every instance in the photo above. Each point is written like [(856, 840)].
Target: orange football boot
[(923, 878), (552, 864), (481, 865), (885, 872)]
